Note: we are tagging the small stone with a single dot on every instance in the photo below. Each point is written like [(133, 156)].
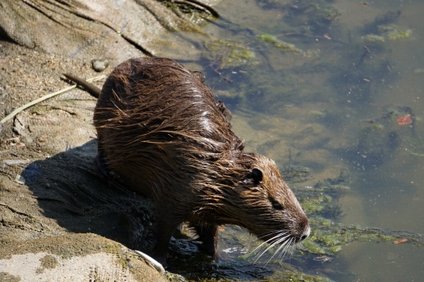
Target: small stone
[(15, 162), (99, 65)]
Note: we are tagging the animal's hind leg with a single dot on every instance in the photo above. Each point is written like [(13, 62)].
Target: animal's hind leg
[(165, 228)]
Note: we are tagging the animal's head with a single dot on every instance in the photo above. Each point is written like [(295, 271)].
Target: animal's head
[(258, 199)]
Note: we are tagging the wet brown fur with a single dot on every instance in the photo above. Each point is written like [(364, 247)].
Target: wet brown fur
[(165, 134)]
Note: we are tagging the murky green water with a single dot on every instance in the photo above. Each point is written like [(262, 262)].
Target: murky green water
[(329, 88)]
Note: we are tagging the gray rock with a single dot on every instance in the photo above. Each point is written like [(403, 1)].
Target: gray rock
[(83, 29)]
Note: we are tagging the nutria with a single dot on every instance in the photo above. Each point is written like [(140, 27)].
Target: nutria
[(163, 132)]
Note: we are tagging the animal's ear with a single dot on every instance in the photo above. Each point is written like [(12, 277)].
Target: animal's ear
[(256, 175), (199, 76)]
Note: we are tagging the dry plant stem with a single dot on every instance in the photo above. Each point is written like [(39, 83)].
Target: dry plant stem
[(45, 97)]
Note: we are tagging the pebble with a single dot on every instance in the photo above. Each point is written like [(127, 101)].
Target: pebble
[(15, 162), (99, 65)]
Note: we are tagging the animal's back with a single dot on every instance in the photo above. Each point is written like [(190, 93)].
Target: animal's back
[(157, 122)]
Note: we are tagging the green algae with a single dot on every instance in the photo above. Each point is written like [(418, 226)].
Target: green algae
[(373, 38), (386, 33), (394, 32), (228, 54), (280, 44), (316, 204), (329, 239)]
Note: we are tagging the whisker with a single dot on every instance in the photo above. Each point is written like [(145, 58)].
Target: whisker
[(281, 238), (283, 248), (268, 240), (271, 242), (290, 248)]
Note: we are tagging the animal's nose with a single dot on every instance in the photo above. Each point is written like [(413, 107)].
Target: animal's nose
[(306, 233)]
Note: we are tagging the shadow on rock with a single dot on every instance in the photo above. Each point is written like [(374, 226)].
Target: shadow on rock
[(71, 191)]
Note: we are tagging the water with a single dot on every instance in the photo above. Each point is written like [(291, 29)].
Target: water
[(338, 100)]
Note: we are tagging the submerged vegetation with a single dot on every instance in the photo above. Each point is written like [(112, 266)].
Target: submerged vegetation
[(228, 54), (284, 46)]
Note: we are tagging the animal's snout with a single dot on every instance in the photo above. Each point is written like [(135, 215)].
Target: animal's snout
[(306, 233)]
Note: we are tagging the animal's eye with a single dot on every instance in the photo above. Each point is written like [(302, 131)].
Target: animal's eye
[(276, 204), (257, 175)]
